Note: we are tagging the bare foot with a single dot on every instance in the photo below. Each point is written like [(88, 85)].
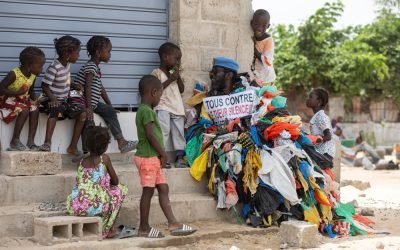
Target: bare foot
[(72, 150)]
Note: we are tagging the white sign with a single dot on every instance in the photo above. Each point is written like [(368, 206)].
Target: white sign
[(230, 107)]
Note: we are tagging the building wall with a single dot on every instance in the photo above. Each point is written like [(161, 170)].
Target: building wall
[(135, 28), (205, 29)]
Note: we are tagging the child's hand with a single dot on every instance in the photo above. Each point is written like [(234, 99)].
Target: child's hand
[(35, 102), (24, 89), (174, 76), (78, 87), (54, 103), (163, 160)]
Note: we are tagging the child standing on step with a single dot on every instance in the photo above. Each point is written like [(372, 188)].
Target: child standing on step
[(150, 158), (262, 66), (170, 110), (97, 191), (99, 50), (18, 100), (56, 86)]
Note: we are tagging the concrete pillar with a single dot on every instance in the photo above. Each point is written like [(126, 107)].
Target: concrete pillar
[(209, 28)]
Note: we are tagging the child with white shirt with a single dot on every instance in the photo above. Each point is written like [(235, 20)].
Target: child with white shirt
[(170, 110)]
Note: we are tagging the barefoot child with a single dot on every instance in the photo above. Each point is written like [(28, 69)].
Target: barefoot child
[(18, 100), (170, 110), (320, 124), (97, 191), (56, 85), (99, 50), (262, 66), (150, 158)]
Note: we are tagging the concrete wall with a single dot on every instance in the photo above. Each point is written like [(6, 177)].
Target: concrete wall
[(385, 133), (205, 29), (63, 132)]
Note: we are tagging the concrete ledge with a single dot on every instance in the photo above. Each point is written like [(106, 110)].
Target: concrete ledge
[(59, 229), (186, 207), (18, 221), (30, 163), (55, 188), (299, 234), (63, 132)]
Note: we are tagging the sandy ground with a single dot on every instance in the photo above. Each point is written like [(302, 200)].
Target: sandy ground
[(383, 197)]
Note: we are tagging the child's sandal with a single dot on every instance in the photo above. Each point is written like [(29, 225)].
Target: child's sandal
[(17, 147), (33, 147), (46, 147)]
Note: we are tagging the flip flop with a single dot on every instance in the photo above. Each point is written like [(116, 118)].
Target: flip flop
[(183, 231), (168, 165), (180, 163), (126, 232), (33, 147), (45, 147), (78, 156), (131, 145), (153, 233), (17, 147)]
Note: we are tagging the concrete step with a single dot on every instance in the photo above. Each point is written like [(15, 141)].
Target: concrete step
[(18, 221), (20, 190)]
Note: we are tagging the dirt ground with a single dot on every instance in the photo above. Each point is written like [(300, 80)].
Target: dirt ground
[(383, 196)]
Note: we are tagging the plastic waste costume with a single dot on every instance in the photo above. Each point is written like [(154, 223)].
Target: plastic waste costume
[(265, 161)]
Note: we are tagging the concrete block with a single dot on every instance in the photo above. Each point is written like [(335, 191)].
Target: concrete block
[(189, 9), (30, 163), (299, 234), (230, 36), (41, 189), (190, 58), (209, 54), (220, 10), (59, 229), (199, 33)]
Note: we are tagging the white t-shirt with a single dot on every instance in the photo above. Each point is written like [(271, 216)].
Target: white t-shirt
[(171, 99), (318, 124)]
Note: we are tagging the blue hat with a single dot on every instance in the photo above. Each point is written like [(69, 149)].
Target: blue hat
[(226, 63)]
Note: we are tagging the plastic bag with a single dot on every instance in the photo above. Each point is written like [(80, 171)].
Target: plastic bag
[(276, 173), (199, 166), (193, 148)]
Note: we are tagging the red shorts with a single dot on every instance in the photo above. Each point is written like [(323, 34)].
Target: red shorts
[(150, 171)]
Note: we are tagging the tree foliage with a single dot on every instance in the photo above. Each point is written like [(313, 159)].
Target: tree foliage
[(355, 61)]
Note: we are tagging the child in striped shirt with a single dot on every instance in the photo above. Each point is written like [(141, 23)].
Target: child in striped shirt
[(56, 86), (99, 50)]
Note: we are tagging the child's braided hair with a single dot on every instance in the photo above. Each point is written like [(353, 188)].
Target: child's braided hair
[(66, 44), (322, 95), (30, 55), (99, 138), (96, 43)]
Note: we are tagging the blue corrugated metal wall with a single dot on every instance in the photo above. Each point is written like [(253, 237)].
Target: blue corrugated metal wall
[(136, 29)]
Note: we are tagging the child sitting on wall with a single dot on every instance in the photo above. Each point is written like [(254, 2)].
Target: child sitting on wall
[(18, 100)]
